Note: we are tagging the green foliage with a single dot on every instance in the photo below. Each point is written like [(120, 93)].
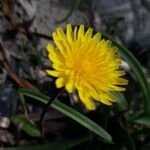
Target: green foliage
[(137, 68), (70, 113), (26, 125), (61, 145), (140, 119), (121, 103)]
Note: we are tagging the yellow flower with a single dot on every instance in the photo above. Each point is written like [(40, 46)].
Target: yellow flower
[(86, 63)]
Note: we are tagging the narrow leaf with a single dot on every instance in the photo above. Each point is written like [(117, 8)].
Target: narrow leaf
[(143, 119), (121, 103), (84, 121), (26, 125)]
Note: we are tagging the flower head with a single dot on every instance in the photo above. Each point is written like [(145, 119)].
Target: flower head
[(86, 63)]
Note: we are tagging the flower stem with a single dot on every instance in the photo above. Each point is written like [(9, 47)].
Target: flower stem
[(60, 91)]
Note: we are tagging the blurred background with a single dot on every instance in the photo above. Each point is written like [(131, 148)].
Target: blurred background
[(25, 30)]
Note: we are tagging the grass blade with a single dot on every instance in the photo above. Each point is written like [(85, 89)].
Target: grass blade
[(78, 117), (82, 120)]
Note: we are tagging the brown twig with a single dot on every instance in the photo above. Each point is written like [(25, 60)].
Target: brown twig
[(11, 73)]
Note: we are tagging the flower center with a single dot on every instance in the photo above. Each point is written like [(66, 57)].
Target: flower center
[(82, 68)]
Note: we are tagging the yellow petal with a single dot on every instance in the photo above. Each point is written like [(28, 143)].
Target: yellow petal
[(88, 34), (50, 48), (54, 73), (56, 40), (106, 102), (104, 97), (54, 55), (60, 82), (116, 88), (69, 33), (81, 32), (70, 85), (121, 81), (97, 37), (88, 102), (58, 43), (107, 96), (118, 73), (61, 33)]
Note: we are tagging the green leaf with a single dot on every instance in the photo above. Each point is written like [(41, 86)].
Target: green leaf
[(59, 145), (143, 119), (26, 125), (121, 103), (137, 68), (68, 111), (92, 126), (74, 6)]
